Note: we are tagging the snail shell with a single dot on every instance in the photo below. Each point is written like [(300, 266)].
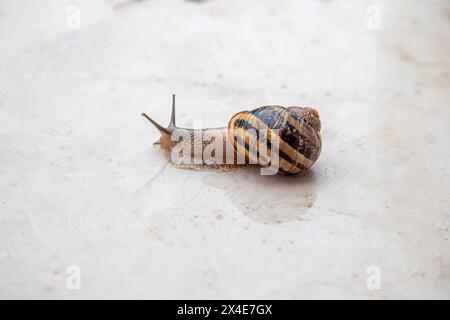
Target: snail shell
[(296, 128), (292, 133)]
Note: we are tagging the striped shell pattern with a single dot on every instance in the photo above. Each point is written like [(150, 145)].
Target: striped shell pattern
[(297, 130)]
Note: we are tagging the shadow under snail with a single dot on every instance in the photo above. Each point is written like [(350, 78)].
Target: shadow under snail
[(289, 137)]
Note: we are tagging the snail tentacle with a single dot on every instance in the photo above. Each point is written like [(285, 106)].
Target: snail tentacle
[(172, 124), (157, 125)]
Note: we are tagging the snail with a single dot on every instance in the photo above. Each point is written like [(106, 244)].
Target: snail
[(278, 139)]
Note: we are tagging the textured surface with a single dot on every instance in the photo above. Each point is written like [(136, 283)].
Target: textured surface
[(81, 183)]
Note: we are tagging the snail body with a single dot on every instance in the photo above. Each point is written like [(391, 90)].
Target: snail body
[(287, 139)]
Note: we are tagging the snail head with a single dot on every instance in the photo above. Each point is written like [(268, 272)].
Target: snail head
[(165, 140)]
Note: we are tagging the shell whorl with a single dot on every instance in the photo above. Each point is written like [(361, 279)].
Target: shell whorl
[(297, 130)]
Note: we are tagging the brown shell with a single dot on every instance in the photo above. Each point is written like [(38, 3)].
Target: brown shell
[(296, 130)]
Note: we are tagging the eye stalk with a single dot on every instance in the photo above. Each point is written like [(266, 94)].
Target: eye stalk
[(171, 127), (172, 116)]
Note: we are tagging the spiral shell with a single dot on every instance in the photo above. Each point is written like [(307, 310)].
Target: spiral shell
[(297, 130)]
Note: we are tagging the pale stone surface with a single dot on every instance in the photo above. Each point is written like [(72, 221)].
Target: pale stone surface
[(81, 183)]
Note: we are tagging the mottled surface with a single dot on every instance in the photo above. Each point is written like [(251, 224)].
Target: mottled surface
[(81, 183), (286, 139)]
